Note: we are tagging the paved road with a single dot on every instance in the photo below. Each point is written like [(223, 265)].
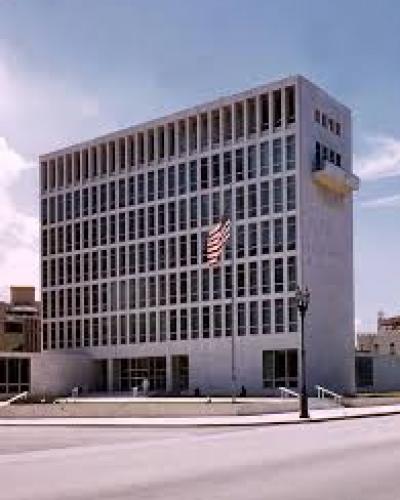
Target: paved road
[(346, 460)]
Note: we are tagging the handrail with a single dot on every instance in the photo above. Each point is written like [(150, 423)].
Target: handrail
[(322, 392), (21, 395), (287, 392)]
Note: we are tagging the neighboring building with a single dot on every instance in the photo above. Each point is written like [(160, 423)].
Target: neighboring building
[(124, 218), (378, 356), (20, 321), (385, 341)]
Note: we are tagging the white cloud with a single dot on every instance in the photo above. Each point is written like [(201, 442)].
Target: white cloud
[(19, 258), (382, 159), (383, 202)]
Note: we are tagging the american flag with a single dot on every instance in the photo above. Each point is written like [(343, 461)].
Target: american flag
[(216, 240)]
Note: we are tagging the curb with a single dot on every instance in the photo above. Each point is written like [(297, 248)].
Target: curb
[(178, 425)]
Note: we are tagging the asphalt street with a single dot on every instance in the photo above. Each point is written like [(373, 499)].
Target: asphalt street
[(346, 460)]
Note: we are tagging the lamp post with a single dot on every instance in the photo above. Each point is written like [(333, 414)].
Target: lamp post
[(302, 301)]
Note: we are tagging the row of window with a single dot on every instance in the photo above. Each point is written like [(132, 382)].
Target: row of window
[(323, 154), (253, 318), (253, 240), (253, 278), (163, 183), (232, 123), (327, 122), (251, 202)]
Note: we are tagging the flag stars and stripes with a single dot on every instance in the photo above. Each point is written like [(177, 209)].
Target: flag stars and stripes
[(216, 240)]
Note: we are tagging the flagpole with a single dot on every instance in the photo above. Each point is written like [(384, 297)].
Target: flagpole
[(233, 289)]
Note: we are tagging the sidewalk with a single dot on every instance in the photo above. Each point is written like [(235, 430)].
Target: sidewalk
[(210, 421)]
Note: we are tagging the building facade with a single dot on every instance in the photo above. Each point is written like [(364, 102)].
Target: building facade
[(124, 220)]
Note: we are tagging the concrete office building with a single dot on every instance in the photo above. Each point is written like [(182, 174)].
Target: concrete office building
[(124, 219)]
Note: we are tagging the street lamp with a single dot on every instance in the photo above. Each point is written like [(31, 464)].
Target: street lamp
[(302, 301)]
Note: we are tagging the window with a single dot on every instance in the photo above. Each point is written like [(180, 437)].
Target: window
[(193, 175), (278, 235), (194, 286), (216, 282), (215, 170), (264, 197), (193, 249), (239, 121), (291, 233), (264, 112), (172, 324), (292, 274), (227, 118), (241, 319), (252, 239), (290, 152), (253, 278), (317, 115), (265, 237), (251, 162), (206, 322), (183, 324), (194, 322), (217, 321), (203, 131), (227, 167), (204, 206), (171, 180), (280, 368), (253, 318), (205, 284), (216, 211), (266, 277), (241, 280), (290, 105), (239, 165), (240, 203), (204, 173), (277, 108), (278, 275), (240, 242), (172, 252), (193, 212), (279, 316), (228, 282), (228, 320), (264, 158), (252, 201), (215, 122), (291, 193), (171, 217), (277, 155), (182, 178)]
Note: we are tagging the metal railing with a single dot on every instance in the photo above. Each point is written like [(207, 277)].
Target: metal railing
[(285, 392), (322, 393), (22, 395)]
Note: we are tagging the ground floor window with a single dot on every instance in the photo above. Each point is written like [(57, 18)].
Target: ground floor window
[(131, 372), (14, 375), (280, 368), (364, 371)]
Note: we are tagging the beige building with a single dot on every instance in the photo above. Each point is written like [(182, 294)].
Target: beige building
[(20, 321), (386, 340)]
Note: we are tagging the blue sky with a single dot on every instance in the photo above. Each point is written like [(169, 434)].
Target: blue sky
[(71, 69)]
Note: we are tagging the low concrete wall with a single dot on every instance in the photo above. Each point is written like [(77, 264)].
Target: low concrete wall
[(147, 409), (361, 401)]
